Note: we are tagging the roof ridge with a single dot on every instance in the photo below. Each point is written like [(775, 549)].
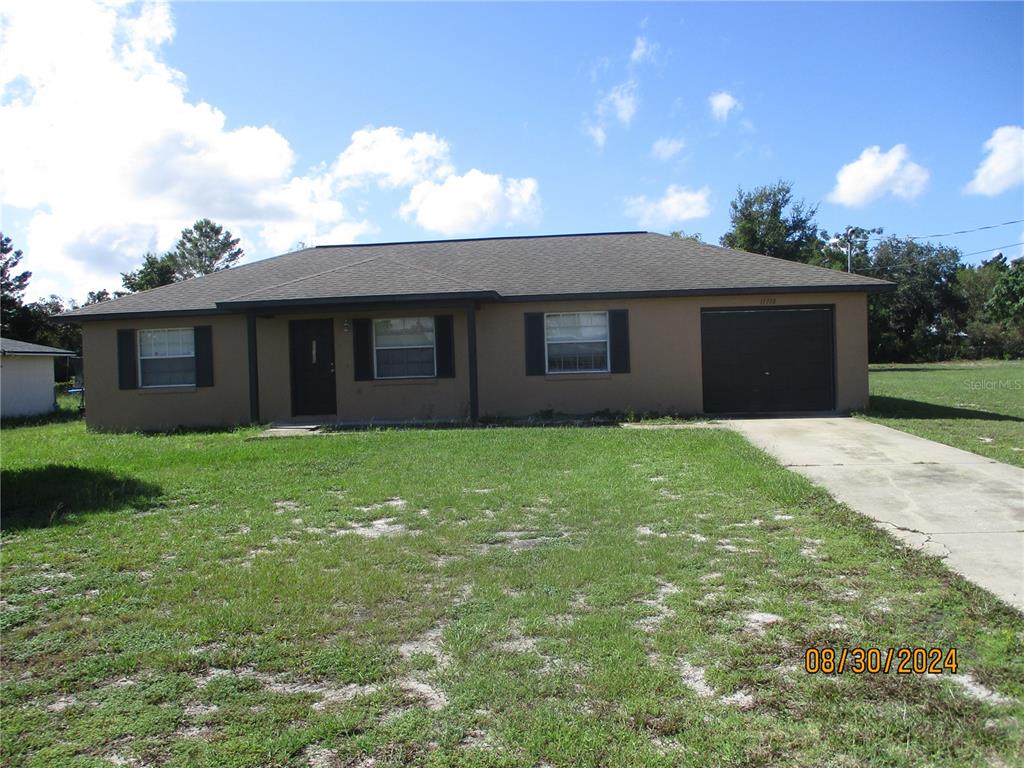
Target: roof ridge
[(393, 260), (304, 277), (480, 239)]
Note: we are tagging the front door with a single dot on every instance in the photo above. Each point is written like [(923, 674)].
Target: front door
[(312, 363)]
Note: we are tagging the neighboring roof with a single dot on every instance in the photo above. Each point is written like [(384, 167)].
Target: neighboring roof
[(12, 347), (620, 264)]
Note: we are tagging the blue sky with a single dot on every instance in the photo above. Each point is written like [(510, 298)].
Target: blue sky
[(531, 118)]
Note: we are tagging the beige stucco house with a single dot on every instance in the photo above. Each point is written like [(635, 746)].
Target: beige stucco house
[(492, 327)]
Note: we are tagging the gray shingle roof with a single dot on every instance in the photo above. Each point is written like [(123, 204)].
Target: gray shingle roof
[(619, 263), (14, 347)]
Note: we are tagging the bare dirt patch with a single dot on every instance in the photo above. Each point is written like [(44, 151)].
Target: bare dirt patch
[(972, 688), (519, 540), (392, 503), (433, 698), (661, 610), (757, 621), (285, 684), (375, 529)]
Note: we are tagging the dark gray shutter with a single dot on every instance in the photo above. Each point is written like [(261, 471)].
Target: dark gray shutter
[(535, 354), (127, 360), (362, 350), (204, 355), (618, 339), (444, 339)]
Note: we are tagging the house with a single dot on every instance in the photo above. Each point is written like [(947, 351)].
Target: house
[(488, 327), (26, 378)]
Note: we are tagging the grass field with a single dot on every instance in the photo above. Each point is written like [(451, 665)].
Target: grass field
[(498, 597), (977, 406)]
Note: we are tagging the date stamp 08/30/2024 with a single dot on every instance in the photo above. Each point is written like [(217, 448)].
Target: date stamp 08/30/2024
[(858, 661)]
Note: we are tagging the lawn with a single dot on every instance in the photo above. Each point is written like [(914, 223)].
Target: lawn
[(490, 597), (974, 405)]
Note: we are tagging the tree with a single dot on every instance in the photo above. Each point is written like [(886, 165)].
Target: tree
[(769, 221), (154, 272), (922, 318), (1007, 300), (12, 286), (204, 247), (95, 297), (695, 236), (976, 283)]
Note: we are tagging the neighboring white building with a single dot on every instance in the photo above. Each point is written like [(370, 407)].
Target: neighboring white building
[(26, 378)]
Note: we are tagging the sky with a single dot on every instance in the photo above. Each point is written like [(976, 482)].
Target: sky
[(320, 123)]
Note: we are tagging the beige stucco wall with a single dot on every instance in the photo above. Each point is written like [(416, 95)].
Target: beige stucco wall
[(398, 399), (665, 356), (26, 385), (665, 364), (226, 403)]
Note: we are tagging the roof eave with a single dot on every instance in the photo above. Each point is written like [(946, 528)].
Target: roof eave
[(400, 298), (880, 287)]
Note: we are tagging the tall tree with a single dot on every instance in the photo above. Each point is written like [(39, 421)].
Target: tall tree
[(922, 318), (154, 272), (12, 286), (769, 221), (204, 247), (1007, 300)]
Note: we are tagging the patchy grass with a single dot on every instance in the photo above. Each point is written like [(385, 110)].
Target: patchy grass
[(499, 597), (974, 405)]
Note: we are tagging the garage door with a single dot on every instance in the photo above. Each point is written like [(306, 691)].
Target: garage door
[(768, 360)]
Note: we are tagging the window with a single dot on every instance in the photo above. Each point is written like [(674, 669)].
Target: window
[(167, 358), (576, 342), (403, 348)]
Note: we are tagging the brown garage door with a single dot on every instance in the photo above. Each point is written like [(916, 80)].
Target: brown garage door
[(775, 360)]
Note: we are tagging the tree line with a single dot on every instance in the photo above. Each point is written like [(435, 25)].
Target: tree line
[(941, 308), (203, 248)]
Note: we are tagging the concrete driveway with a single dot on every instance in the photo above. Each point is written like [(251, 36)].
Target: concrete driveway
[(957, 505)]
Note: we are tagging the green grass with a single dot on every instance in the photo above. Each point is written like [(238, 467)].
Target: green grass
[(977, 406), (194, 600)]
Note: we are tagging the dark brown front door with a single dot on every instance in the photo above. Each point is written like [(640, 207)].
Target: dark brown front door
[(312, 363)]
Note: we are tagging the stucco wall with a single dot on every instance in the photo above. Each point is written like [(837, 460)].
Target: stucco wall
[(226, 403), (665, 364), (420, 399), (665, 356), (26, 385)]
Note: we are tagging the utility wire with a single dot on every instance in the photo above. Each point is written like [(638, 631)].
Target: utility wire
[(950, 234), (966, 231), (997, 248)]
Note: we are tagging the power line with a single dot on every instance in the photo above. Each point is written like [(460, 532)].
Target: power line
[(966, 231), (989, 250), (950, 234)]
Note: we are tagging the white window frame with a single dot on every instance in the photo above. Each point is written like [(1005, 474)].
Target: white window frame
[(373, 334), (607, 343), (139, 358)]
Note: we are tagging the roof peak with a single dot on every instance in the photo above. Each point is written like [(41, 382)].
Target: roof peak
[(479, 239)]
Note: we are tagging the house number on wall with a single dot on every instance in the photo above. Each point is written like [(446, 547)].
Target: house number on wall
[(767, 300)]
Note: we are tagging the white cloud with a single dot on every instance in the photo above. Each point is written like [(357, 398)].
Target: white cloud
[(721, 104), (105, 156), (643, 50), (385, 154), (876, 173), (1003, 167), (667, 148), (621, 101), (473, 202), (678, 204), (598, 134)]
